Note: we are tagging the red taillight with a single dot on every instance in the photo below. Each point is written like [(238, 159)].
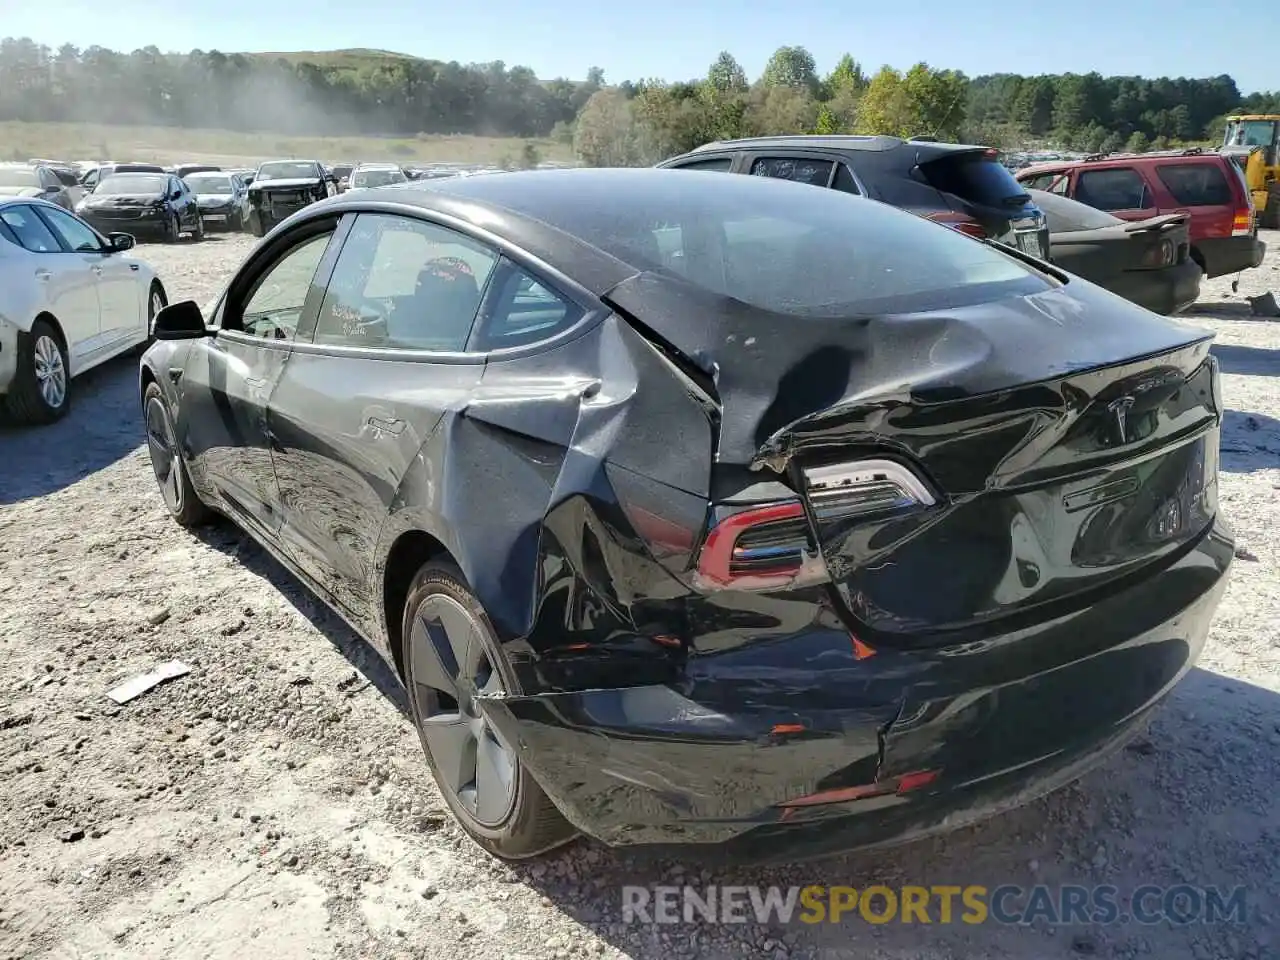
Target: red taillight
[(1242, 223), (757, 549), (1159, 255), (960, 223)]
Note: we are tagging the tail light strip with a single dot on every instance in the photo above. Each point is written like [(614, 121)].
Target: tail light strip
[(769, 546)]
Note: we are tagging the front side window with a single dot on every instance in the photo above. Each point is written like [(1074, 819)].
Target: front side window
[(275, 307), (1120, 188), (79, 236), (30, 230), (799, 169), (405, 284)]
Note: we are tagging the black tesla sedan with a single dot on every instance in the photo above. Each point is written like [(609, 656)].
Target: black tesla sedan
[(710, 509)]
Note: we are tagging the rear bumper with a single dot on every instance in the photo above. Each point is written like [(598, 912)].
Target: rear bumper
[(1000, 722), (1166, 291), (1223, 255)]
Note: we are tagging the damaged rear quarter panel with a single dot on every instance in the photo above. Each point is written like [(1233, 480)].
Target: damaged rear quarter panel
[(526, 487)]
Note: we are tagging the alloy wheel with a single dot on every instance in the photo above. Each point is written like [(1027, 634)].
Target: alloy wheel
[(163, 448), (157, 303), (51, 372), (450, 666)]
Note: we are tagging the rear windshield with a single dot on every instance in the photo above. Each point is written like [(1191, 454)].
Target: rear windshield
[(1066, 215), (781, 246), (975, 177), (136, 183), (1196, 184), (18, 177)]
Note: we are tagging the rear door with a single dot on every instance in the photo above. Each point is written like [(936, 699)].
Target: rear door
[(364, 391), (1120, 191)]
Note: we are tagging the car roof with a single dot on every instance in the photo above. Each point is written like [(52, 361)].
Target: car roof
[(869, 144), (1124, 159), (549, 214)]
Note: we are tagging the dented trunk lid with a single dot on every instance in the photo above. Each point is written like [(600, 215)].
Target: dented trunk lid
[(1070, 439)]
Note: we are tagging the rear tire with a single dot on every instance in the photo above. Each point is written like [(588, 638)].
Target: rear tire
[(41, 388), (1270, 216), (176, 489), (509, 817)]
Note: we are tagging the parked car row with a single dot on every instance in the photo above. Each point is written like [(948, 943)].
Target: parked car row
[(734, 425)]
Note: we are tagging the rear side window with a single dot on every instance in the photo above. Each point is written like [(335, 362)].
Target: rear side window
[(799, 169), (844, 180), (1119, 188), (1196, 184), (716, 164), (520, 310), (977, 177)]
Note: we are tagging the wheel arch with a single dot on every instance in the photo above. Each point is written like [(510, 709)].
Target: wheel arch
[(407, 553), (51, 320)]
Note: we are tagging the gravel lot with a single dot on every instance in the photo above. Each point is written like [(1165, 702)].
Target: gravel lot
[(274, 804)]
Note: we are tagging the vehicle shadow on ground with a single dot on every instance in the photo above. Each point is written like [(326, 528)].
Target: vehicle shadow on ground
[(1250, 442), (1247, 361), (1157, 813), (226, 538), (104, 425)]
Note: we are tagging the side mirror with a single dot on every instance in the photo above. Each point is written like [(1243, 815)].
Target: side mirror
[(119, 242), (53, 189), (180, 321), (176, 195)]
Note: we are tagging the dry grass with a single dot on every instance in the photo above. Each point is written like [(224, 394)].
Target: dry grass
[(77, 141)]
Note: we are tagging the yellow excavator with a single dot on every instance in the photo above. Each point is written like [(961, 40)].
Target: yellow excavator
[(1252, 140)]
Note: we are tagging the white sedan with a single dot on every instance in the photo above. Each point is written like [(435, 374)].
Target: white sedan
[(70, 299)]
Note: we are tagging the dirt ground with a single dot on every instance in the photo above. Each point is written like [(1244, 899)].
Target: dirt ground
[(274, 803)]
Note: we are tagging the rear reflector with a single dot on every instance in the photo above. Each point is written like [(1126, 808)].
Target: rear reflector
[(899, 785)]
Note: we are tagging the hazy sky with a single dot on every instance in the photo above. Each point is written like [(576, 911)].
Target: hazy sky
[(677, 39)]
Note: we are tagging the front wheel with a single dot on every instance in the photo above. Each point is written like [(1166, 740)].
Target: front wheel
[(173, 231), (451, 657), (177, 491), (198, 232), (256, 225)]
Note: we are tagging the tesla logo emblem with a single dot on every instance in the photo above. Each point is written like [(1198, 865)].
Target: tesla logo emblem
[(1119, 409)]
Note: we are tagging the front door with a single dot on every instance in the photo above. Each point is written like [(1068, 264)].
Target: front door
[(67, 278), (356, 405), (228, 379), (121, 302)]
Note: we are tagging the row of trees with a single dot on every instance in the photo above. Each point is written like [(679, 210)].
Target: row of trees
[(373, 92)]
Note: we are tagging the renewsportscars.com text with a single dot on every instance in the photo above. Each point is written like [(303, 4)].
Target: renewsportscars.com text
[(940, 904)]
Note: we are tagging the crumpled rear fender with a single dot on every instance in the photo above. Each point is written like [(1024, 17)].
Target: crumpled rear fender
[(536, 488)]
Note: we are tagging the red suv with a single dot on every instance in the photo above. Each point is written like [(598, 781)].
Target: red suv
[(1206, 186)]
